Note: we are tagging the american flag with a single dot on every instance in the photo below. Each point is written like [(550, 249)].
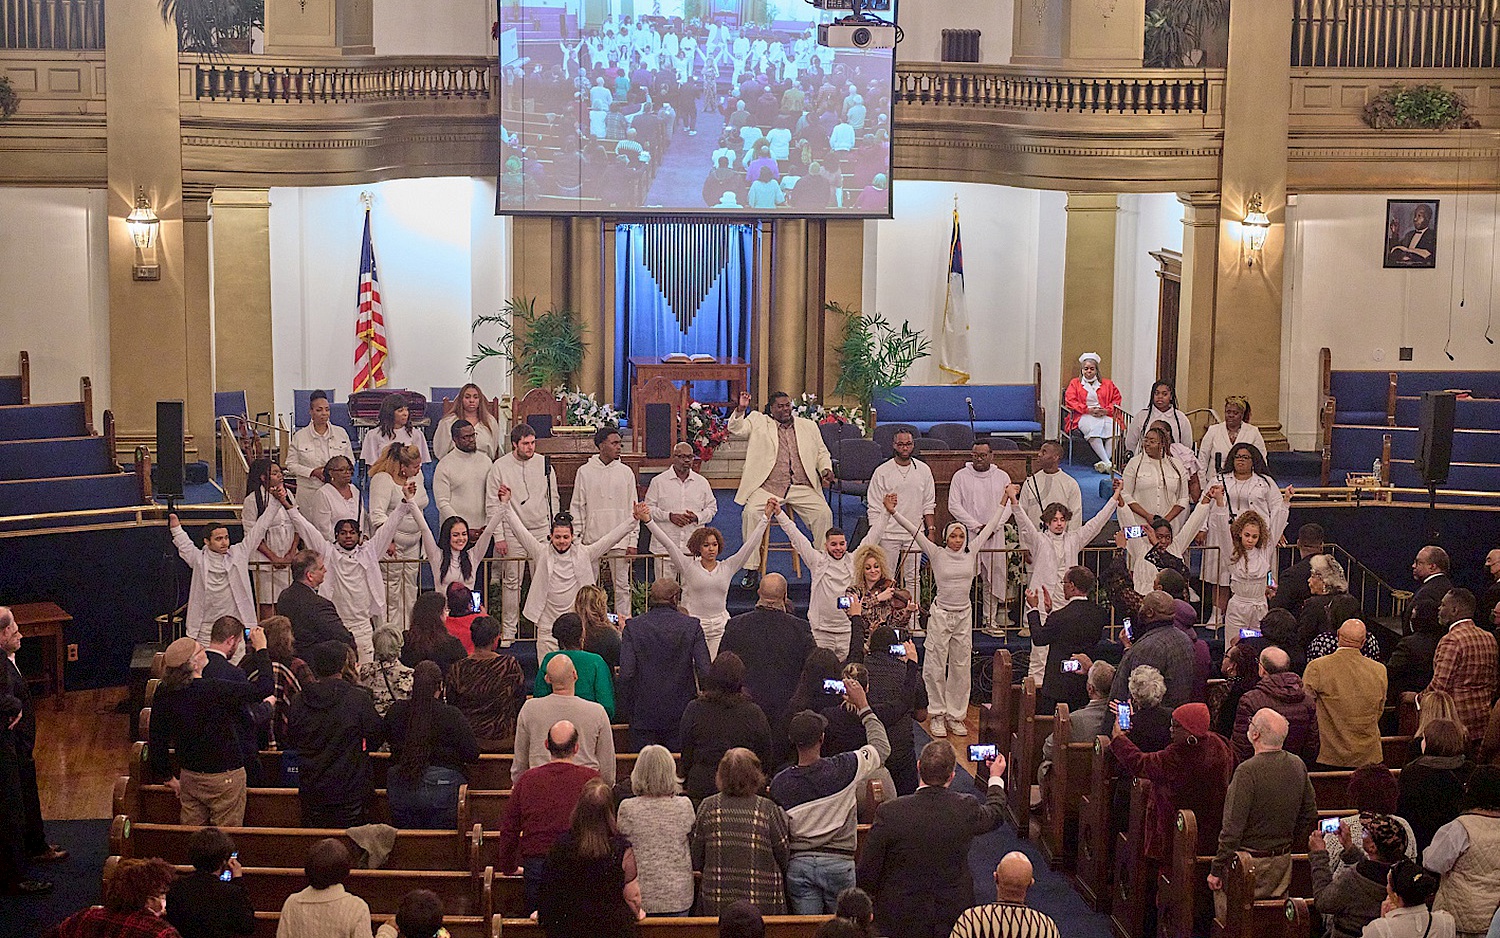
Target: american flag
[(370, 348)]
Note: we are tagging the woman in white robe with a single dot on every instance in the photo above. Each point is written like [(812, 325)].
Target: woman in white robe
[(470, 406), (397, 477), (1213, 450), (273, 559), (1247, 487), (1155, 486)]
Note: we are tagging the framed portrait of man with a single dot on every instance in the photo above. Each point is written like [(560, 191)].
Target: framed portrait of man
[(1411, 233)]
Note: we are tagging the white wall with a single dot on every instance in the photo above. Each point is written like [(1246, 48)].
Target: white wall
[(1146, 223), (440, 253), (434, 27), (923, 22), (1338, 295), (54, 264)]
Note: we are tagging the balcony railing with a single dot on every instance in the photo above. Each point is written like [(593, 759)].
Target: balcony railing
[(1396, 33), (340, 81), (1112, 91), (52, 24)]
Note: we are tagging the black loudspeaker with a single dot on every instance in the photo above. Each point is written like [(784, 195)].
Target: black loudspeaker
[(169, 451), (1435, 436), (658, 431)]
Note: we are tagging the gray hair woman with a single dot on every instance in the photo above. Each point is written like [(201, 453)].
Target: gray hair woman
[(386, 677), (1150, 723), (659, 822)]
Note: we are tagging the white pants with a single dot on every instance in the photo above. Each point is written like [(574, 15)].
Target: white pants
[(992, 574), (401, 586), (946, 666), (835, 640), (806, 501), (509, 573), (545, 643), (906, 571), (619, 571), (713, 632)]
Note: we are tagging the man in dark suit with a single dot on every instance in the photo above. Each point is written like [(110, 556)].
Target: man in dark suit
[(663, 657), (916, 862), (774, 644), (1291, 586), (22, 835), (314, 618), (1430, 569), (1074, 626), (225, 640)]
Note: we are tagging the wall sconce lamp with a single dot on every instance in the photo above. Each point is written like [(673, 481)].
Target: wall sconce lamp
[(1254, 229), (144, 229)]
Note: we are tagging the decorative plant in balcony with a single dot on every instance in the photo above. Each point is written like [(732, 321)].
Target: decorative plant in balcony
[(214, 27), (874, 357), (1176, 31), (546, 354), (1419, 107), (10, 102)]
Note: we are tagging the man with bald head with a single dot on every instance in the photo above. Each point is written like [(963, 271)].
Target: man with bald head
[(681, 502), (1279, 689), (1430, 570), (1350, 693), (774, 644), (1269, 805), (1008, 916), (663, 657), (596, 740), (1156, 641), (540, 808)]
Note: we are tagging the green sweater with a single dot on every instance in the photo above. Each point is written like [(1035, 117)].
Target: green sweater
[(594, 680)]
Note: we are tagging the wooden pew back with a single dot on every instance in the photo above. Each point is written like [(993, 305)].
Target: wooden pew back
[(1249, 917), (1095, 878), (777, 926), (996, 718), (1067, 787), (1025, 755), (1134, 875)]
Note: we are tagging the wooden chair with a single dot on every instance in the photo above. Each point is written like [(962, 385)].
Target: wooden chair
[(657, 391), (538, 402), (492, 405), (1094, 879), (767, 548)]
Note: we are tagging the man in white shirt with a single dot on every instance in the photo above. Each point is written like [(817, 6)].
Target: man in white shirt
[(460, 479), (912, 482), (535, 499), (682, 497), (783, 457), (974, 495), (604, 494), (1050, 484), (310, 450)]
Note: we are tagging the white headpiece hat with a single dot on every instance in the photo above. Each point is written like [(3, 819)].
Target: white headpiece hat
[(1086, 356)]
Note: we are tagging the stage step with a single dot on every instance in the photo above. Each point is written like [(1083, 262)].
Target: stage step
[(75, 493), (45, 459), (42, 421)]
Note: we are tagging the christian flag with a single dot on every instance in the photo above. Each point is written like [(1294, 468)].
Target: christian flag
[(370, 348), (953, 343)]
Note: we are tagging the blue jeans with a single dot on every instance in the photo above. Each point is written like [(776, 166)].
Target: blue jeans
[(432, 804), (814, 881), (532, 872)]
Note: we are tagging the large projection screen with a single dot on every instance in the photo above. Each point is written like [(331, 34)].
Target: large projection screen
[(705, 108)]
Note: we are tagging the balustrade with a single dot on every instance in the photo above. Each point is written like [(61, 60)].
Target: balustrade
[(1114, 91)]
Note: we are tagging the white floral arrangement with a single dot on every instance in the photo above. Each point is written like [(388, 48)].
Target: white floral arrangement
[(810, 407), (581, 409)]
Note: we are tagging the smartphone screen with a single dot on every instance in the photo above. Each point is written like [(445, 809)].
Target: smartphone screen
[(1135, 530), (1125, 627), (982, 752), (228, 875), (1270, 578), (613, 618), (1124, 717), (833, 686), (1071, 665), (898, 650), (1329, 825), (476, 600), (844, 602), (1249, 633)]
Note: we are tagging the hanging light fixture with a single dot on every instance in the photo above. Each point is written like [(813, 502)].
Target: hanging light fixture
[(1254, 229), (144, 229)]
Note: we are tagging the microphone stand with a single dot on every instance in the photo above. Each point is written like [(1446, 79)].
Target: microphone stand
[(969, 401)]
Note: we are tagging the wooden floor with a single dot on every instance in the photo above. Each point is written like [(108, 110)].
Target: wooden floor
[(80, 750), (961, 744)]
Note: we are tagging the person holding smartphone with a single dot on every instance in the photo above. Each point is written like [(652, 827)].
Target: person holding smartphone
[(211, 901)]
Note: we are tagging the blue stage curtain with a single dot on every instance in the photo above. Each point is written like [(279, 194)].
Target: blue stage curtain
[(647, 326)]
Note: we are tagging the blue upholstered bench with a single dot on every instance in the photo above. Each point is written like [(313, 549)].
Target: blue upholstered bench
[(999, 409)]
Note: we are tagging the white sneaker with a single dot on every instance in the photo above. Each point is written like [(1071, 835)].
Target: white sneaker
[(958, 728), (1101, 467), (936, 729)]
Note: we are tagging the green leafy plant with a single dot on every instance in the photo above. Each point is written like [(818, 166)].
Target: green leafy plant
[(10, 102), (1425, 107), (874, 356), (214, 27), (546, 354), (1176, 31)]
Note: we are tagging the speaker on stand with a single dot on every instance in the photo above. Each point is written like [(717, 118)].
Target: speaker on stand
[(167, 476), (1435, 444)]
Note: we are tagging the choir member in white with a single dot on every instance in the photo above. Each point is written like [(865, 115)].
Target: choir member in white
[(1246, 486), (221, 571), (1252, 560), (833, 575), (338, 500), (470, 406), (534, 485), (1155, 486), (950, 623), (273, 560), (1163, 406), (1160, 538), (397, 477), (705, 579), (354, 582), (311, 448), (912, 482), (1053, 550), (785, 458), (461, 478), (603, 491), (454, 555), (1185, 456), (394, 425), (681, 502), (562, 566), (1213, 449), (1050, 485), (974, 494)]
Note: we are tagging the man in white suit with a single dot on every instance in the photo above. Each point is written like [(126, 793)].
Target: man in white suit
[(787, 460)]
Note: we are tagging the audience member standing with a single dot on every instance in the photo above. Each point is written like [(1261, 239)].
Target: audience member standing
[(314, 618), (431, 746), (221, 572), (589, 886), (1049, 485), (604, 492), (1349, 690), (1430, 570), (898, 695), (773, 644), (386, 678), (1091, 720), (191, 713), (1466, 853), (311, 448), (975, 493), (1432, 784), (1292, 588), (1465, 662), (720, 719), (201, 904), (535, 500), (596, 740), (910, 480), (333, 726), (658, 822), (740, 841), (541, 805), (595, 682), (23, 735), (1191, 774), (488, 688), (663, 657), (682, 502), (1008, 916), (916, 862), (227, 639), (325, 909), (1156, 641), (833, 574), (1072, 627), (1269, 803), (601, 628), (1279, 689), (428, 639)]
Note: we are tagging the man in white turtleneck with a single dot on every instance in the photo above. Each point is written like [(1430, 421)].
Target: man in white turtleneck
[(458, 482), (974, 494)]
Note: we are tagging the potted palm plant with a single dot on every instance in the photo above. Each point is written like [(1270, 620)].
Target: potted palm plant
[(547, 353), (874, 357), (215, 27), (1178, 32)]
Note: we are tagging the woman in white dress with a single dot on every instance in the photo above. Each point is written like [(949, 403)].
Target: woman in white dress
[(450, 557), (1093, 407), (1163, 407), (280, 542), (395, 477), (705, 578), (470, 406), (392, 426), (339, 499), (1155, 486), (1252, 560), (1247, 487), (1213, 451), (1183, 454)]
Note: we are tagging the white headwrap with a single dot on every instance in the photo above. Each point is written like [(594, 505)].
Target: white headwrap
[(1090, 355)]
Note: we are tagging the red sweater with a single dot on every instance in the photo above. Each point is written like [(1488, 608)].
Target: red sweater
[(539, 811)]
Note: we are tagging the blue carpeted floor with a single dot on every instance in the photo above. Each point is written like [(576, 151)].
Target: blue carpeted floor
[(77, 880)]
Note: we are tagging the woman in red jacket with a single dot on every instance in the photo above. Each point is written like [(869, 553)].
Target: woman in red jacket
[(1093, 407)]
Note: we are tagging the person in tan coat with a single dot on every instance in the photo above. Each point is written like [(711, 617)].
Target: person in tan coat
[(1349, 691)]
